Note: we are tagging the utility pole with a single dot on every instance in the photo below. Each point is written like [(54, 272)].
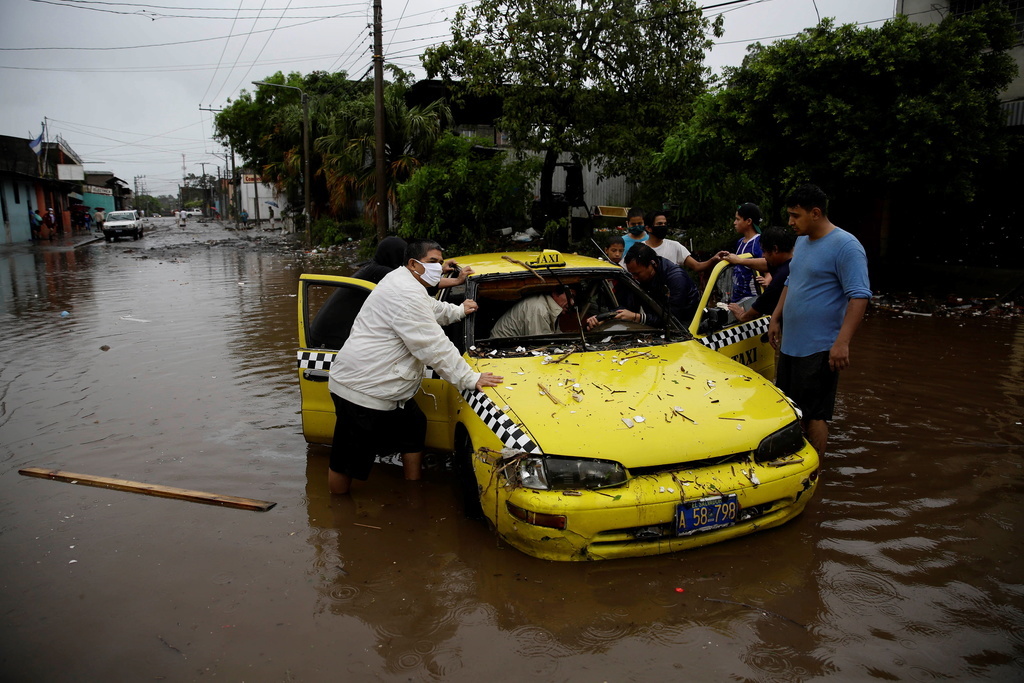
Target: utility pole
[(378, 120), (234, 189), (206, 188)]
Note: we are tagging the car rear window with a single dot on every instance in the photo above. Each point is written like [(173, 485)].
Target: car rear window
[(121, 216)]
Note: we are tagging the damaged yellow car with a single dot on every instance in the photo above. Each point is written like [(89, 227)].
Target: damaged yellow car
[(623, 440)]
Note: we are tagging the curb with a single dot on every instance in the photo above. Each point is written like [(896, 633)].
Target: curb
[(94, 240)]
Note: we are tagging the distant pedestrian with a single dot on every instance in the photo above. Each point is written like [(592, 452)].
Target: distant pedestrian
[(182, 218), (821, 306), (100, 217), (37, 223), (245, 218), (51, 224)]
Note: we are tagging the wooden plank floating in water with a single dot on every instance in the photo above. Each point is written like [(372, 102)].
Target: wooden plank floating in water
[(149, 489)]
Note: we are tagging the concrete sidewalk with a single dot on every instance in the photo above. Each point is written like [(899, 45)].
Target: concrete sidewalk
[(65, 242)]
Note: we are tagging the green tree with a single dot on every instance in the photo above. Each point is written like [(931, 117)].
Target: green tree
[(465, 191), (869, 114), (348, 149), (604, 80), (265, 127), (148, 203)]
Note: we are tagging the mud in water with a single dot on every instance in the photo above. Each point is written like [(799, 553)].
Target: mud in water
[(175, 365)]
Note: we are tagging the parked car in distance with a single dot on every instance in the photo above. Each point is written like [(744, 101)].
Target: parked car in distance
[(624, 440), (122, 224)]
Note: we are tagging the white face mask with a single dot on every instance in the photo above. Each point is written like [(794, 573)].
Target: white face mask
[(431, 273)]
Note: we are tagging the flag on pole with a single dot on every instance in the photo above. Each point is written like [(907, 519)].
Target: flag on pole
[(37, 145)]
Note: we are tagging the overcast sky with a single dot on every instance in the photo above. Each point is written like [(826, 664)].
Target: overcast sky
[(123, 81)]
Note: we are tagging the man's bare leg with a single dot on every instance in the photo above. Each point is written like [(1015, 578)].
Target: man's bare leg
[(337, 482), (412, 465), (817, 434)]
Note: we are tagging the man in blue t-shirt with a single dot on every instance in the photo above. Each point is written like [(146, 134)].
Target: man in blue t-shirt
[(821, 306)]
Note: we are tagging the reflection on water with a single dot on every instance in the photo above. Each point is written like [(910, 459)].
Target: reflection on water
[(906, 567)]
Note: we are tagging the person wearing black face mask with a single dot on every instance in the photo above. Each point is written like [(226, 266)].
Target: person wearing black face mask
[(672, 250)]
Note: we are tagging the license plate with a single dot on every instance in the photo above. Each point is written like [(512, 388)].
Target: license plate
[(705, 514)]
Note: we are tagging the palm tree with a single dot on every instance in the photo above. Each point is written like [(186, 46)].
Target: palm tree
[(348, 149)]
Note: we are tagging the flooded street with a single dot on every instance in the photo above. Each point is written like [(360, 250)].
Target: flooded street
[(176, 366)]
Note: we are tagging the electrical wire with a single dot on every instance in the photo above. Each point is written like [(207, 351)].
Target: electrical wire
[(153, 16), (238, 57), (223, 50), (175, 43)]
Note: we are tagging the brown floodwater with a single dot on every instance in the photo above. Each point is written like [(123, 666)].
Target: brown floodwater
[(906, 566)]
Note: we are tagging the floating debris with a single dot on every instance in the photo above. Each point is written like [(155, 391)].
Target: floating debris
[(627, 422), (544, 390)]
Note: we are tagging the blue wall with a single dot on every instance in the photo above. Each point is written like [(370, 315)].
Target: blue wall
[(18, 197), (93, 200)]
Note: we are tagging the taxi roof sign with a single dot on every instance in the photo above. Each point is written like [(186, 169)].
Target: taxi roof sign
[(549, 258)]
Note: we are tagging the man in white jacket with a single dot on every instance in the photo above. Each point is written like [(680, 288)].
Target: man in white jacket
[(375, 375)]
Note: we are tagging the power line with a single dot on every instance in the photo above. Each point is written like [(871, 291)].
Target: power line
[(223, 50), (258, 55), (75, 3), (240, 51), (400, 17), (183, 68), (365, 37), (144, 14), (175, 43)]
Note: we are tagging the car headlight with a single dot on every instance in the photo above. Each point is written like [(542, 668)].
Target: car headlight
[(786, 441), (548, 473)]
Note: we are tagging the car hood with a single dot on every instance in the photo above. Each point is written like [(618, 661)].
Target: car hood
[(641, 407)]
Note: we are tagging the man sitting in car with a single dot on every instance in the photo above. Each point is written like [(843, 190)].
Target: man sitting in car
[(536, 314), (663, 281)]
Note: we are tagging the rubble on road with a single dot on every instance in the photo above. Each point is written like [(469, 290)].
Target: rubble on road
[(952, 307)]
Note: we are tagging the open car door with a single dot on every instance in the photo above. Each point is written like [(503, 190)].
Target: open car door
[(328, 305), (716, 328)]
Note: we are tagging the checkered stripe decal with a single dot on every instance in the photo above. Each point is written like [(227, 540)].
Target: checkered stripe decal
[(315, 360), (510, 434), (738, 333)]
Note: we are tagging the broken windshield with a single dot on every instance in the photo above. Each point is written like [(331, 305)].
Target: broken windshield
[(565, 312)]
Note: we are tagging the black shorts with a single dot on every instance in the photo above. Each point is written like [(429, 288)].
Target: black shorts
[(361, 434), (810, 382)]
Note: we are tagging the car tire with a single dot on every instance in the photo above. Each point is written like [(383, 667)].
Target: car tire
[(106, 238), (465, 478)]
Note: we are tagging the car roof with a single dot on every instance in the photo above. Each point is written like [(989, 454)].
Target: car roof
[(496, 263)]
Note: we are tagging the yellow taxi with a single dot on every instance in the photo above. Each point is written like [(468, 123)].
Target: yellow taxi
[(623, 440)]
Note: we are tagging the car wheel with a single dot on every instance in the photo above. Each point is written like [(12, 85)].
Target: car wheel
[(465, 478), (106, 238)]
